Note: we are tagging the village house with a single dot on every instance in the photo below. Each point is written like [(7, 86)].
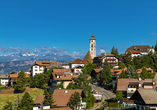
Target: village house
[(42, 66), (145, 99), (66, 65), (38, 104), (115, 75), (94, 73), (4, 79), (129, 86), (77, 69), (62, 96), (111, 59), (77, 62), (14, 77), (142, 49), (62, 75)]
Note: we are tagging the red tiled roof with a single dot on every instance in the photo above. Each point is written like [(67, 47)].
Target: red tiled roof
[(98, 70), (15, 75), (123, 55), (135, 52), (78, 61)]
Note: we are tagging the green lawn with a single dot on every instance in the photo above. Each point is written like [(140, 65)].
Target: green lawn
[(12, 97)]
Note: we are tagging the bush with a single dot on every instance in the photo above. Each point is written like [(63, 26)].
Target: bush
[(112, 104), (0, 84)]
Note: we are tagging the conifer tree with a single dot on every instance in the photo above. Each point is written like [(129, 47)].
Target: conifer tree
[(8, 106), (26, 102), (75, 101), (122, 75), (106, 73), (21, 82), (88, 68), (48, 100), (127, 59), (131, 72), (16, 103), (113, 50)]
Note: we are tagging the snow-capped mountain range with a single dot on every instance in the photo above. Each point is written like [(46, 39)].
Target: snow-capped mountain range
[(23, 61)]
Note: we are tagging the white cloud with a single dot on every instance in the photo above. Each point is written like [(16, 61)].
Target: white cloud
[(102, 51)]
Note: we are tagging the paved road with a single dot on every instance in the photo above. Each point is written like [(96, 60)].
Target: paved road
[(107, 95)]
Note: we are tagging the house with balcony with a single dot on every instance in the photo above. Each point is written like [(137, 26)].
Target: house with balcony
[(62, 75), (62, 96), (77, 69), (129, 86), (111, 59)]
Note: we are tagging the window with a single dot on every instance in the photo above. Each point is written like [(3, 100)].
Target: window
[(36, 70)]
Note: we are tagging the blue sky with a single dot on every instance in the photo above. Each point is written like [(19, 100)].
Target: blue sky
[(68, 24)]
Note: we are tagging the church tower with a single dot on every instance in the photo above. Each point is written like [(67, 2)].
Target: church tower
[(92, 46)]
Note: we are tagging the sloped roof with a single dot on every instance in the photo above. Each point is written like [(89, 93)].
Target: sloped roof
[(39, 100), (64, 76), (78, 61), (86, 58), (4, 76), (62, 108), (61, 70), (45, 63), (122, 84), (92, 37), (119, 71), (147, 69), (140, 48), (61, 98), (135, 52), (78, 66), (67, 63), (15, 75), (98, 70), (149, 96)]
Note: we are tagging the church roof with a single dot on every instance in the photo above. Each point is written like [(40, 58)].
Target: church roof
[(92, 37), (88, 57)]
